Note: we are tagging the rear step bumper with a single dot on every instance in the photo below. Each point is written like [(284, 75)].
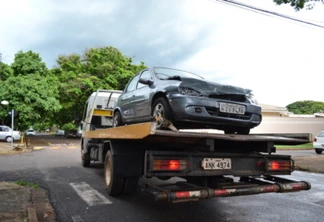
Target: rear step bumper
[(248, 186)]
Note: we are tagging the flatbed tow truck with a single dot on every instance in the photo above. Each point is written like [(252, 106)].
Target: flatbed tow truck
[(210, 164)]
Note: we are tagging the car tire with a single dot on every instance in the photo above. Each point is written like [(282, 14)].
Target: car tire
[(161, 107), (114, 185), (318, 151), (9, 139), (117, 119)]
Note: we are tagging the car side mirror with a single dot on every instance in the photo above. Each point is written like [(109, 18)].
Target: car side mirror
[(146, 81)]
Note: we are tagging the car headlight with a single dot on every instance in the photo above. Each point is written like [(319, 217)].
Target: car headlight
[(189, 92), (252, 99)]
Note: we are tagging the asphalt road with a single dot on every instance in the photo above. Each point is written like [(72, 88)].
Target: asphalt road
[(78, 194)]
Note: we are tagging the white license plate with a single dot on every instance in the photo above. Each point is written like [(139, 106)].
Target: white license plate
[(216, 163), (231, 108)]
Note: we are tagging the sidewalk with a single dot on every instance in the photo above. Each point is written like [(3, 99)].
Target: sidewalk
[(5, 148), (23, 203)]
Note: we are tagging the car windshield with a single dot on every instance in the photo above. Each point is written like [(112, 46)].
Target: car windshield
[(175, 74)]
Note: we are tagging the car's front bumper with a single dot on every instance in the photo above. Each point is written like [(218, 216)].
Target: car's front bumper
[(205, 112)]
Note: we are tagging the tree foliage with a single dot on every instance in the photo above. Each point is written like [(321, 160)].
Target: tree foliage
[(30, 91), (5, 71), (306, 107), (26, 63), (299, 4), (80, 75), (45, 97), (34, 98)]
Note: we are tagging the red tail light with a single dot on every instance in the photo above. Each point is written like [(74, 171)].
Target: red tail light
[(172, 165), (279, 166), (315, 140)]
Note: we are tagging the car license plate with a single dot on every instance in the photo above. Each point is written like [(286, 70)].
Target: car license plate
[(216, 163), (231, 108)]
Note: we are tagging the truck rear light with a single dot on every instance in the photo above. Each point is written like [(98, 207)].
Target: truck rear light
[(171, 165), (315, 139), (279, 166)]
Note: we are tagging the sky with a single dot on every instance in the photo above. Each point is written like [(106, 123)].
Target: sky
[(280, 60)]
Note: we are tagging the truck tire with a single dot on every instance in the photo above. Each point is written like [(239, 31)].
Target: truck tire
[(114, 185), (117, 119), (130, 185), (161, 107), (86, 160), (318, 151)]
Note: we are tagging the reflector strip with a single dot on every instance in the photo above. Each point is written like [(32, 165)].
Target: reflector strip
[(187, 194)]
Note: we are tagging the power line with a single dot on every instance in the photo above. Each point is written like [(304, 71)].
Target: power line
[(266, 12)]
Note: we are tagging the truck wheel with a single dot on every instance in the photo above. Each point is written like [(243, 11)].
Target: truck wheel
[(114, 184), (318, 151), (130, 185), (161, 108), (117, 119), (86, 160)]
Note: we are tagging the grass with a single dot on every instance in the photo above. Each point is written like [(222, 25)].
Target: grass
[(24, 183), (301, 146)]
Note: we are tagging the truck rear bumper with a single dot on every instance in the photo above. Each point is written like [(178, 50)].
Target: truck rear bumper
[(184, 192)]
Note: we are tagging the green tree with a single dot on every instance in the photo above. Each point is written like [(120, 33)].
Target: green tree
[(33, 97), (80, 75), (299, 4), (26, 63), (5, 71), (306, 107)]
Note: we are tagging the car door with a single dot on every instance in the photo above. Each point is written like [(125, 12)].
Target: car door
[(126, 100), (320, 138), (141, 98)]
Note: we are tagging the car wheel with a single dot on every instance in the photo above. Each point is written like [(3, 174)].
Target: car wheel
[(161, 108), (318, 151), (114, 185), (117, 119), (9, 139)]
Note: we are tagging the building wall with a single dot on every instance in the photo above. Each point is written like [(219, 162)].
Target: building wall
[(290, 125)]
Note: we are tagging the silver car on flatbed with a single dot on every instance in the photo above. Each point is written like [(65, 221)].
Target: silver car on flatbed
[(188, 101)]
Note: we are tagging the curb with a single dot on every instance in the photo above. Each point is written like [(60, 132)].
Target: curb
[(31, 212)]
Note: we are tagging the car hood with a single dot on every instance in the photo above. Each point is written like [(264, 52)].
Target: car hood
[(210, 88)]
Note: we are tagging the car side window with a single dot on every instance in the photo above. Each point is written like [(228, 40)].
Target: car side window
[(132, 85), (321, 134), (146, 75)]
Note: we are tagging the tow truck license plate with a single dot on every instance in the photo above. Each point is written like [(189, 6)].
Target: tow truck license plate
[(231, 108), (216, 163)]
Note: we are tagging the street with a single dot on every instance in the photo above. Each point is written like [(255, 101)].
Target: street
[(78, 194)]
